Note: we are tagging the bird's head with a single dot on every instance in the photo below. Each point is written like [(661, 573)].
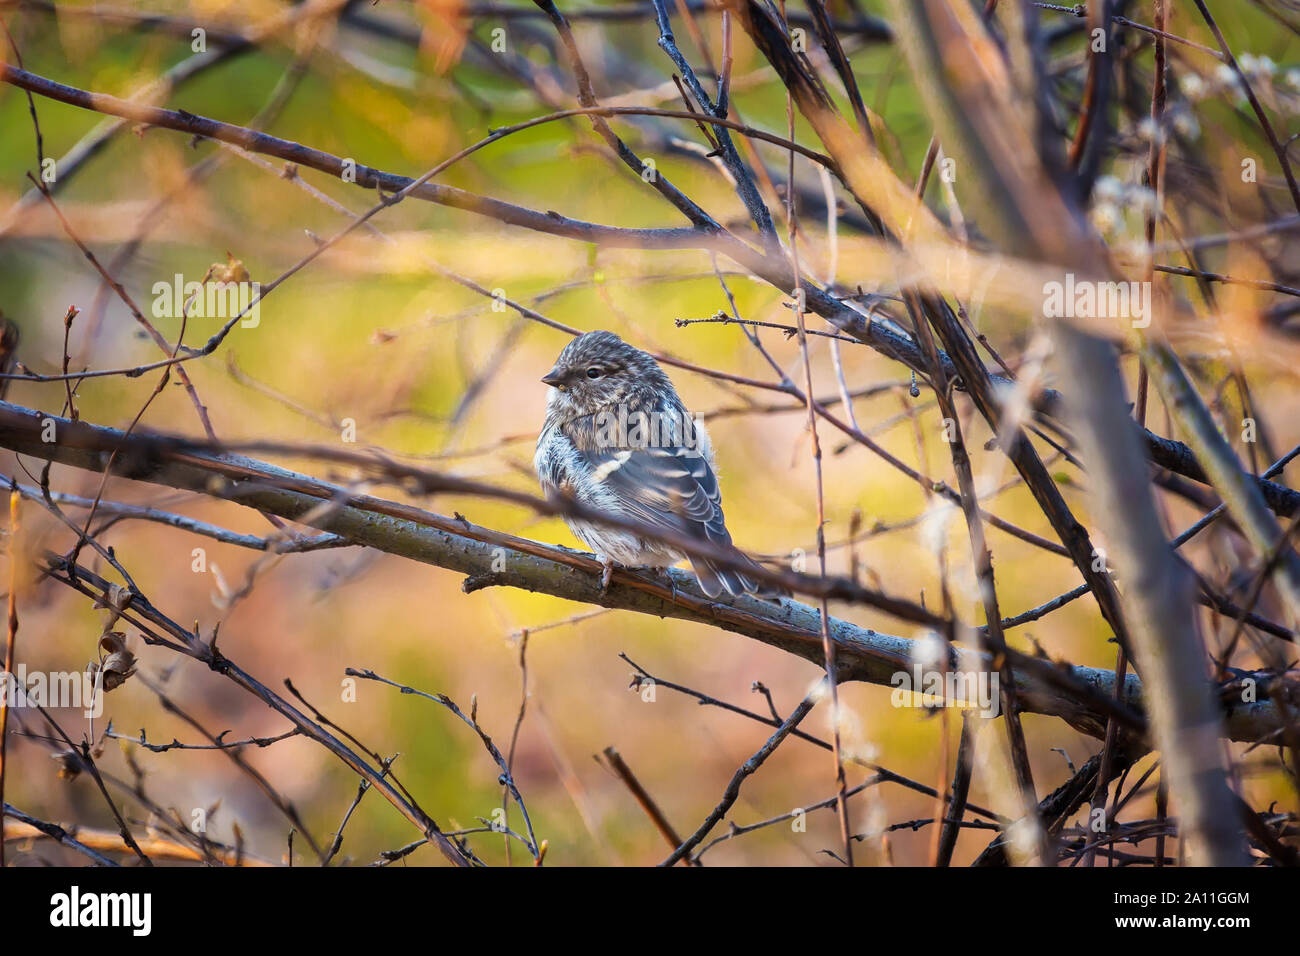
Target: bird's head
[(598, 370)]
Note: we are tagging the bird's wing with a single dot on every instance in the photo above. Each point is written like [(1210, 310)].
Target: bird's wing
[(673, 489), (669, 487)]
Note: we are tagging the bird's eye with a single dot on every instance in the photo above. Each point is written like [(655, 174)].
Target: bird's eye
[(593, 372)]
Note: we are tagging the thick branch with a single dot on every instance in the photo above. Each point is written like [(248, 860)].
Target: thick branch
[(1158, 608), (1084, 697)]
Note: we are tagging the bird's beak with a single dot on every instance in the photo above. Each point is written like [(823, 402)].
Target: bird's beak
[(553, 378)]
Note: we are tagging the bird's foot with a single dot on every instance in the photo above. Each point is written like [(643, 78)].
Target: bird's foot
[(672, 584), (606, 569)]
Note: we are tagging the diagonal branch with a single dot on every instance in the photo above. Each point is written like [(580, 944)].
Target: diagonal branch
[(1084, 697)]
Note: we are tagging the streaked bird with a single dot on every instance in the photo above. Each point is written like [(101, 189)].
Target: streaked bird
[(618, 438)]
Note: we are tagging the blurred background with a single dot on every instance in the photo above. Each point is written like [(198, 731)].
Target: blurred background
[(371, 335)]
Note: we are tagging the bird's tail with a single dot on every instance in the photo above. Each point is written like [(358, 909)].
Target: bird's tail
[(715, 579)]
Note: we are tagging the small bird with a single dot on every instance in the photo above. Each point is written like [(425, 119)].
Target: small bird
[(618, 438)]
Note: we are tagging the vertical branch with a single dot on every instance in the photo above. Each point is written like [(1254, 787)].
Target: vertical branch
[(1157, 600), (958, 795), (828, 646), (11, 638), (1155, 160), (1107, 753), (1087, 139), (982, 560)]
